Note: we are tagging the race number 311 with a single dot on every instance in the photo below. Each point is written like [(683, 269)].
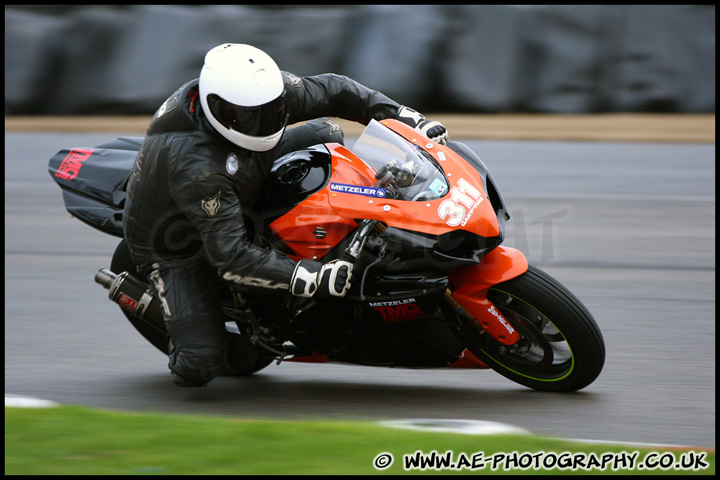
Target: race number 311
[(464, 198)]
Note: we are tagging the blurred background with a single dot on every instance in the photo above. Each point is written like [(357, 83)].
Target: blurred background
[(627, 222), (117, 59)]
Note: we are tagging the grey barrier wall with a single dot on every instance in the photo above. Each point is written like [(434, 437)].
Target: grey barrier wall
[(75, 60)]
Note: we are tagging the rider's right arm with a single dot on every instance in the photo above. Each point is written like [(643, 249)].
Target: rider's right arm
[(212, 206)]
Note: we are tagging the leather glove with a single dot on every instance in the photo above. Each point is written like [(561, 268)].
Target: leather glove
[(324, 280), (433, 130)]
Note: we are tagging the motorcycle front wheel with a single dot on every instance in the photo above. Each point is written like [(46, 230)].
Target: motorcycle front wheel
[(561, 347)]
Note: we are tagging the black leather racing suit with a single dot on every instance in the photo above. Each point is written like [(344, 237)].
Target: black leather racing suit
[(186, 194)]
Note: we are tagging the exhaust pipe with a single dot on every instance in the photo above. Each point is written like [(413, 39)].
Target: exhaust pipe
[(131, 294), (105, 278)]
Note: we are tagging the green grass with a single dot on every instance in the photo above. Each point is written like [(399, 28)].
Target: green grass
[(82, 441)]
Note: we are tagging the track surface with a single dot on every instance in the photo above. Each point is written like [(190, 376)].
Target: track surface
[(628, 227)]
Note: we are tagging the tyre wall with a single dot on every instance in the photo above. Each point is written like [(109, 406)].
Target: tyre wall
[(463, 58)]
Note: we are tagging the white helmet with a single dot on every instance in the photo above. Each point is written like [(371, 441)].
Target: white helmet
[(243, 96)]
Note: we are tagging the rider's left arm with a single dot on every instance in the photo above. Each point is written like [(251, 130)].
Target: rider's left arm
[(333, 95)]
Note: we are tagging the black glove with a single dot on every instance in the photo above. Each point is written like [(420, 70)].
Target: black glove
[(433, 130), (324, 280)]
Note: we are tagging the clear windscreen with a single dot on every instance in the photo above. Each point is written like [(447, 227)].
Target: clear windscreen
[(403, 169)]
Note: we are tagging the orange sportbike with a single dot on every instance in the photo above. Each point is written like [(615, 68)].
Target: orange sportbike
[(432, 286)]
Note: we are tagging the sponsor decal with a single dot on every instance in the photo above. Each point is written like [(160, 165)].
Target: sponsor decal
[(464, 199), (254, 282), (73, 162), (398, 311), (354, 189), (127, 303), (501, 319), (392, 303), (232, 164), (212, 204), (437, 186)]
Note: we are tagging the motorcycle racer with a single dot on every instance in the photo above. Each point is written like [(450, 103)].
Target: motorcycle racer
[(207, 152)]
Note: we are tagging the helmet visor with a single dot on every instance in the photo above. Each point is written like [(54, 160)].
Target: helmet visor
[(259, 121)]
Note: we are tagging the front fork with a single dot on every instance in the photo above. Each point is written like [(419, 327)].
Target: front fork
[(469, 298)]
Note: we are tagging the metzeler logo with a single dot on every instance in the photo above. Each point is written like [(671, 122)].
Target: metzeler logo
[(367, 191)]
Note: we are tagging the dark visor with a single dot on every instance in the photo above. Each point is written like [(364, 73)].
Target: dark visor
[(259, 121)]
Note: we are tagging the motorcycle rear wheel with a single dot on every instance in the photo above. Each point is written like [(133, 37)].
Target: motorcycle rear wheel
[(561, 347), (153, 329)]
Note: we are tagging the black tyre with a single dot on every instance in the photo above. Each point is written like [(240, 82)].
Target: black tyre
[(152, 326), (259, 364), (244, 358), (561, 347)]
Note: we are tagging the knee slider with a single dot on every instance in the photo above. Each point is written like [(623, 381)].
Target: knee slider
[(195, 367)]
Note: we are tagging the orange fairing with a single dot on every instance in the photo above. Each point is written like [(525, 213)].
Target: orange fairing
[(311, 229), (499, 265), (467, 360), (319, 222), (464, 207), (473, 282)]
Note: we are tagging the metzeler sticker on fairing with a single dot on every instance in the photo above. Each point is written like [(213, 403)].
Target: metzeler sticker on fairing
[(367, 191)]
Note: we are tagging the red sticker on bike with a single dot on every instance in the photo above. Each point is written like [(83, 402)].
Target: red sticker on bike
[(127, 303), (73, 162), (398, 311)]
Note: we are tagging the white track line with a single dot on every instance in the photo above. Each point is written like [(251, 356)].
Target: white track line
[(482, 427), (470, 427), (27, 402)]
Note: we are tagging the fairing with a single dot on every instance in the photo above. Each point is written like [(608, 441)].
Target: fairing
[(93, 181)]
